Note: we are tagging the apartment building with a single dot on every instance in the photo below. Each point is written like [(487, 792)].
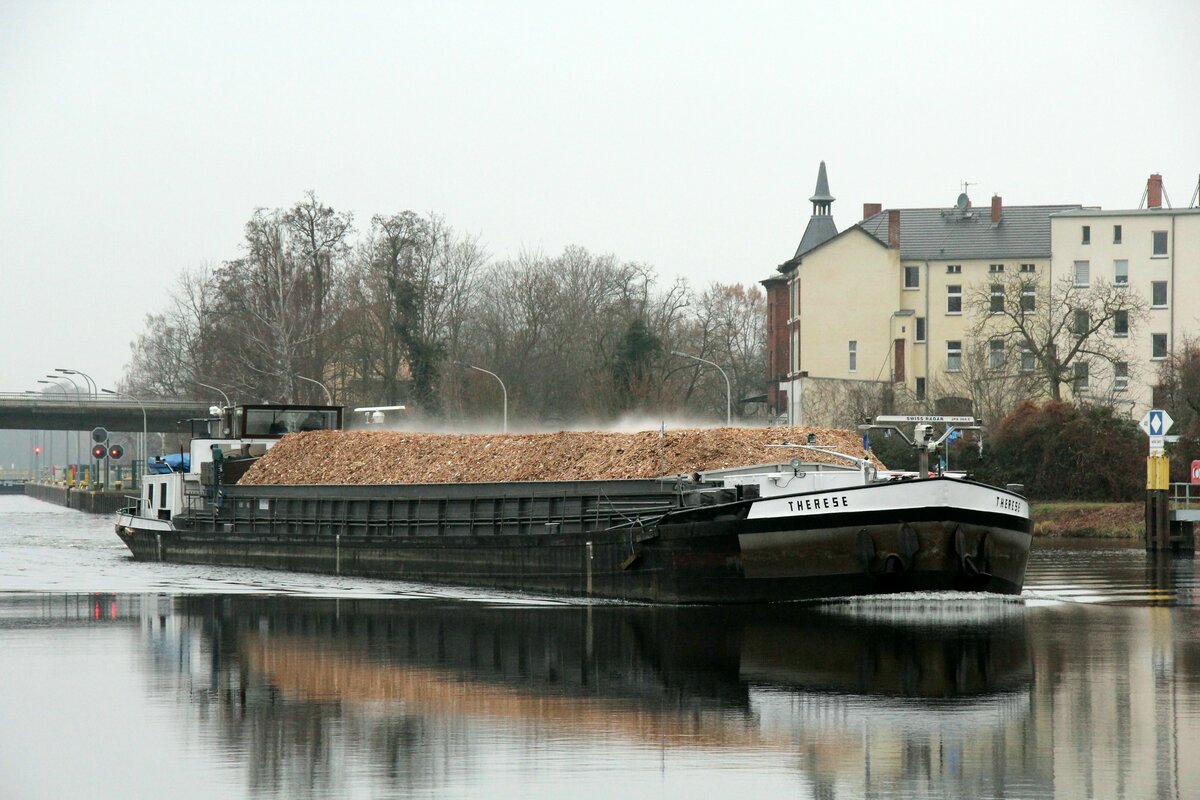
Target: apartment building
[(889, 299), (1153, 252)]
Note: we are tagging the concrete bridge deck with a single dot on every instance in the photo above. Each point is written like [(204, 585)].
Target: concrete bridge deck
[(67, 413)]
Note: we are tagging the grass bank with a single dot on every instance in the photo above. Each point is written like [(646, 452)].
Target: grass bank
[(1088, 520)]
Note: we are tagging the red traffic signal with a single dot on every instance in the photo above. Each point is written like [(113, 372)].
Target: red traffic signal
[(37, 451), (116, 451), (99, 451)]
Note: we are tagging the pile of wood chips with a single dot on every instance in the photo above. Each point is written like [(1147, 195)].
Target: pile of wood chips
[(360, 457)]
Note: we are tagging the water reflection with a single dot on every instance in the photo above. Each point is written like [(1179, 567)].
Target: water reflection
[(432, 687), (874, 698)]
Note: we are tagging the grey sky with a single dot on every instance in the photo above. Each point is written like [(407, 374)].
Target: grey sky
[(137, 138)]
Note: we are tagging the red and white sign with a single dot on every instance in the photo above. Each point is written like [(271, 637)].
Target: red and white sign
[(1196, 472)]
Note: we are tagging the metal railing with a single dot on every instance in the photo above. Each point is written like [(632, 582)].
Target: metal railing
[(1185, 495)]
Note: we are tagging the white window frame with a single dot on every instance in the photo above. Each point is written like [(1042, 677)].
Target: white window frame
[(1029, 291), (916, 273), (994, 269), (1117, 234), (1120, 272), (1166, 244), (996, 354), (920, 330), (1117, 332), (954, 355), (994, 295), (1028, 362), (1166, 346), (951, 295), (954, 269), (854, 355), (1166, 294), (1083, 269), (1080, 382), (1029, 268), (1086, 235), (1120, 382)]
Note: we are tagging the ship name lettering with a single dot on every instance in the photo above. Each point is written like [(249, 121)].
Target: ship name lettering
[(818, 503), (1008, 503)]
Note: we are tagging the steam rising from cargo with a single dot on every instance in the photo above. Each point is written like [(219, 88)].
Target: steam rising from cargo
[(380, 457)]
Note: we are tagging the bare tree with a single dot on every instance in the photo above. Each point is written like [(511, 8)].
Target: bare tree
[(1058, 326), (993, 378)]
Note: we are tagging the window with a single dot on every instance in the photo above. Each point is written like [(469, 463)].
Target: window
[(1029, 268), (1160, 244), (1081, 323), (954, 356), (996, 354), (1027, 360), (1087, 234), (997, 298), (1121, 272), (1158, 345), (920, 329), (953, 269), (853, 355), (954, 299), (1158, 294), (1028, 297), (912, 277), (994, 268), (1116, 234), (1120, 374), (920, 388), (1083, 273), (1080, 378), (1121, 323)]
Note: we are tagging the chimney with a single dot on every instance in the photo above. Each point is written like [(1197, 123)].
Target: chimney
[(997, 209), (1154, 191), (871, 209), (894, 228)]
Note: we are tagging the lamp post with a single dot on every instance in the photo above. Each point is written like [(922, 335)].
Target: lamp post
[(92, 386), (218, 391), (78, 399), (142, 456), (728, 394), (502, 387), (66, 433), (49, 447), (328, 396)]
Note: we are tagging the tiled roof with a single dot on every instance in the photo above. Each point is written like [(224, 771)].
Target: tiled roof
[(948, 233)]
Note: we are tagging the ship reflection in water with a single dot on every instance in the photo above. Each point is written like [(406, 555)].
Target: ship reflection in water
[(887, 698), (428, 694)]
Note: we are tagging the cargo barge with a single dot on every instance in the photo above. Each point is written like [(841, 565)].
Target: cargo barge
[(779, 531)]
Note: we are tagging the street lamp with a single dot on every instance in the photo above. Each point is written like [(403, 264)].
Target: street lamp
[(142, 456), (50, 447), (328, 396), (91, 383), (77, 400), (728, 394), (66, 433), (218, 391), (502, 388)]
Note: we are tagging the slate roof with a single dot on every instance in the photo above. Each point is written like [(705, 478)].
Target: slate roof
[(819, 231), (822, 195), (947, 233)]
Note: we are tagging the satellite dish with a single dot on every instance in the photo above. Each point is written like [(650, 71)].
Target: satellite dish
[(963, 201)]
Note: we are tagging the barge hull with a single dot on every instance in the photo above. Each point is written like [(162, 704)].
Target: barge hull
[(693, 562)]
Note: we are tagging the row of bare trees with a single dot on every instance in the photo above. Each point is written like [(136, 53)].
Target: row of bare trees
[(394, 314)]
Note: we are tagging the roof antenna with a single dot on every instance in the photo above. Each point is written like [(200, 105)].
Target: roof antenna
[(1195, 196)]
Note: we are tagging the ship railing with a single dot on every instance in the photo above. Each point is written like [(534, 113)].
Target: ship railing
[(1185, 496)]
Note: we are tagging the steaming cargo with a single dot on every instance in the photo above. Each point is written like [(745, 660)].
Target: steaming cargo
[(787, 529)]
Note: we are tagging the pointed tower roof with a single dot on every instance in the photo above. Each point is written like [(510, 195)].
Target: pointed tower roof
[(822, 195), (820, 226)]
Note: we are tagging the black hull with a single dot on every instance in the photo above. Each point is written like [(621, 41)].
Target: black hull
[(713, 561)]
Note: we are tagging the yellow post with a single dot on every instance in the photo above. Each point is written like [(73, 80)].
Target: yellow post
[(1158, 473)]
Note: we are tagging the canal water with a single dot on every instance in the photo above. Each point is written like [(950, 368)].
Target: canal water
[(121, 679)]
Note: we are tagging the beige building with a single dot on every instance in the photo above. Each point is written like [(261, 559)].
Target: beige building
[(888, 301), (1154, 253)]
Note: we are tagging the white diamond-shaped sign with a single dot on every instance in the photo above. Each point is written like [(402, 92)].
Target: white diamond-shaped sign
[(1156, 422)]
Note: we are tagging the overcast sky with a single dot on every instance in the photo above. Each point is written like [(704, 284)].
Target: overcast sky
[(136, 139)]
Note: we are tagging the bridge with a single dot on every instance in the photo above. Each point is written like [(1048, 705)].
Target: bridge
[(40, 412)]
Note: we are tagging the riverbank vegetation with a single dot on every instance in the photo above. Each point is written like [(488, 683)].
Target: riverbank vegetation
[(395, 311)]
